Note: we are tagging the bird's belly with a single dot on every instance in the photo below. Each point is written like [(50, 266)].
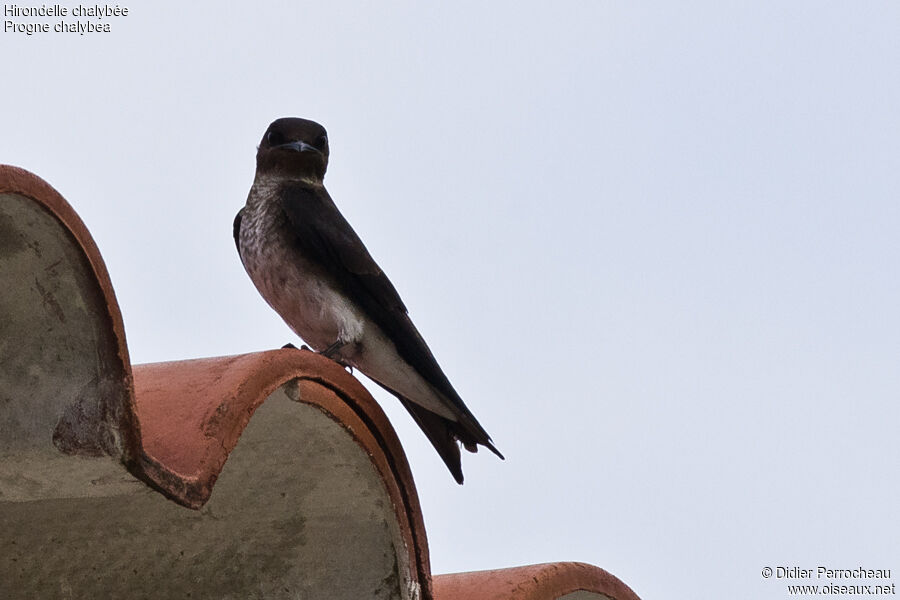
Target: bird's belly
[(305, 299), (377, 357)]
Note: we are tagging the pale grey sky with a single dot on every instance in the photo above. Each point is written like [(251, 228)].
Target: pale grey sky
[(654, 245)]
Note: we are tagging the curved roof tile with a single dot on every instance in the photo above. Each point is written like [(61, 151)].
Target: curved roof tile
[(313, 490), (550, 581), (193, 412), (64, 316)]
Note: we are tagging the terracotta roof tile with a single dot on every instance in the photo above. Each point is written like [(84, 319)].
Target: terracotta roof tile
[(62, 311), (297, 481), (548, 581), (193, 412)]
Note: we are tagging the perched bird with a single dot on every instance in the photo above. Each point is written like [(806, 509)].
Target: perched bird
[(312, 268)]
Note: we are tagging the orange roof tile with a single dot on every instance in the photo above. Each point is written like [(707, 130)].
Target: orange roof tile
[(284, 437), (548, 581), (193, 412), (78, 258)]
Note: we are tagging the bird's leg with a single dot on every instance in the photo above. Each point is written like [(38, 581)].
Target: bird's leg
[(330, 350), (327, 352)]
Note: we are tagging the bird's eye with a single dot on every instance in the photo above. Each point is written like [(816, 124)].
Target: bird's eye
[(274, 138), (321, 141)]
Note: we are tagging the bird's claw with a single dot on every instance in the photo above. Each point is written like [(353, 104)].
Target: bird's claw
[(328, 352), (293, 347)]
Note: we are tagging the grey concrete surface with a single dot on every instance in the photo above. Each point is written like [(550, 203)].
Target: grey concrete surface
[(298, 512), (60, 375)]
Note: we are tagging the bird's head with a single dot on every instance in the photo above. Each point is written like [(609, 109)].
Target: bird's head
[(293, 147)]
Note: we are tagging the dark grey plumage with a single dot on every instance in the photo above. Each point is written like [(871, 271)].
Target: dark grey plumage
[(312, 268)]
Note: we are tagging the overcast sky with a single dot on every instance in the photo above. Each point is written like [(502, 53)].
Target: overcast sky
[(655, 246)]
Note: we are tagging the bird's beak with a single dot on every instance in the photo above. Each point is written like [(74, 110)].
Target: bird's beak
[(298, 147)]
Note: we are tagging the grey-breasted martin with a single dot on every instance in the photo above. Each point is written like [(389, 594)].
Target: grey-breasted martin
[(312, 268)]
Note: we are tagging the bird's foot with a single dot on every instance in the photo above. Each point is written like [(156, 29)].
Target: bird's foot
[(293, 347), (331, 350)]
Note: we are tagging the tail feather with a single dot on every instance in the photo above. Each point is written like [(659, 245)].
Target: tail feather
[(446, 435), (470, 434), (440, 432)]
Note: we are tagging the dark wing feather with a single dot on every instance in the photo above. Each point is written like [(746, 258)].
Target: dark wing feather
[(326, 237), (236, 228)]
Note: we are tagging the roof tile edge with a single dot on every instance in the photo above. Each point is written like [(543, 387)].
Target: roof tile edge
[(546, 581), (225, 392), (15, 180)]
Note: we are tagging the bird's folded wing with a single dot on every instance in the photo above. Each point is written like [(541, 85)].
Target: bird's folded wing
[(325, 236)]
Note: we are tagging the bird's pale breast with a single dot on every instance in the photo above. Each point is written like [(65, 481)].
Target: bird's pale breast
[(308, 300), (295, 287)]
